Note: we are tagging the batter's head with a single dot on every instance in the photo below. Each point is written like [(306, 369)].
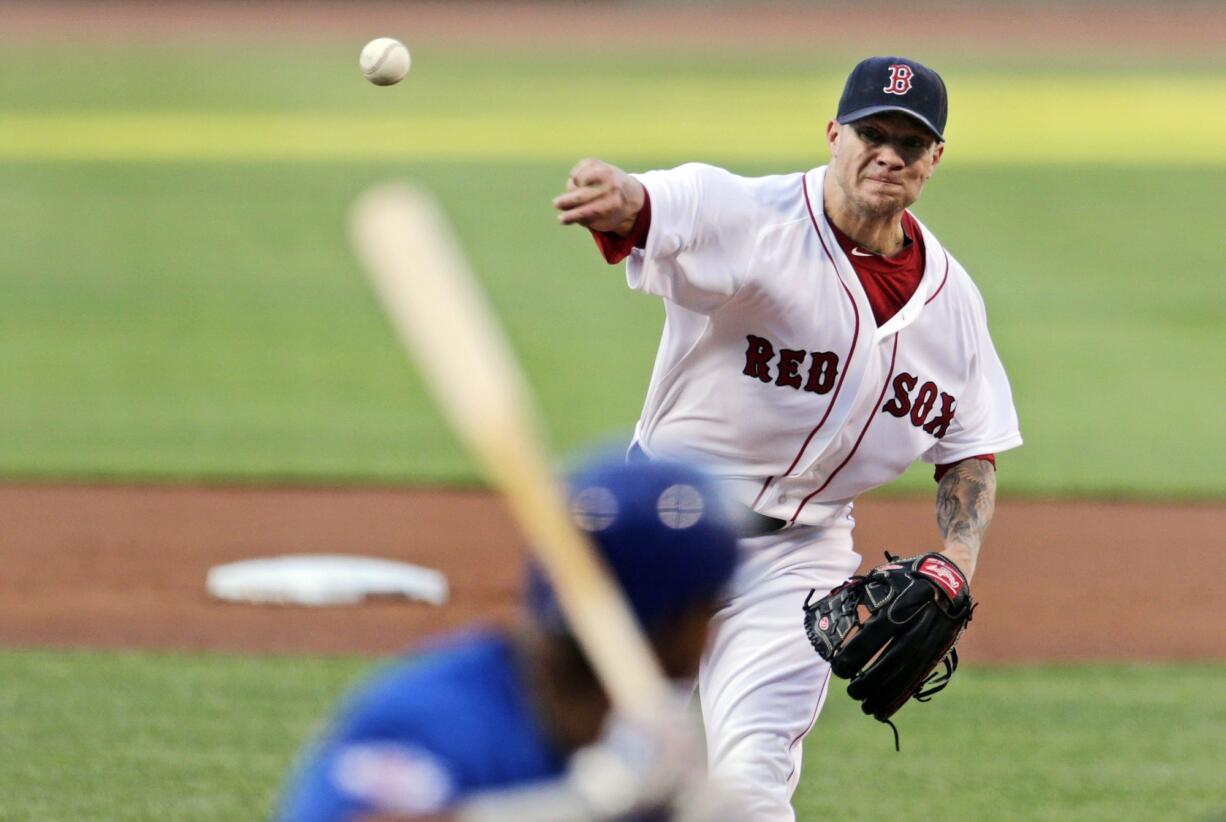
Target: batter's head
[(662, 531), (895, 84)]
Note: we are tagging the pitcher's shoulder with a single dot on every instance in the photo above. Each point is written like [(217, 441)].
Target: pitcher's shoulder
[(951, 274), (766, 190)]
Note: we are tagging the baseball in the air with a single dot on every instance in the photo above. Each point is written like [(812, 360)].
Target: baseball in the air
[(384, 61)]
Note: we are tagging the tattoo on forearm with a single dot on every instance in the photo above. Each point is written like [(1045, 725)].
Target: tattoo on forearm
[(966, 499)]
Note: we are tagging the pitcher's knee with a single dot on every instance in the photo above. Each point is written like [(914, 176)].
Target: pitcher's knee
[(761, 783)]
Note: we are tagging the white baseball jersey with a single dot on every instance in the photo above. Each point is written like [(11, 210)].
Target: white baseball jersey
[(772, 370)]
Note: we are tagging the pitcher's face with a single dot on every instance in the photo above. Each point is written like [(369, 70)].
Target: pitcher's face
[(882, 162)]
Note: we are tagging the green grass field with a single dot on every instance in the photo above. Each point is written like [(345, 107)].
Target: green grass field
[(127, 736), (177, 300), (177, 303)]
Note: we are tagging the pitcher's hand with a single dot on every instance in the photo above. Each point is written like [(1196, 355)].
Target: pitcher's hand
[(601, 197)]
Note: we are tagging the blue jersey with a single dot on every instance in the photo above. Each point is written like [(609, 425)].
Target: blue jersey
[(424, 734)]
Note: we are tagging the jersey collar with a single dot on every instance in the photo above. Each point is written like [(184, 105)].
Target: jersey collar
[(936, 264)]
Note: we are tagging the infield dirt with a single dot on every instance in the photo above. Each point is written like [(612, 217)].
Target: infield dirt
[(124, 566)]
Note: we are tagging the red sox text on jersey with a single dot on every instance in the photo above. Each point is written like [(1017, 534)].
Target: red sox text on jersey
[(822, 368)]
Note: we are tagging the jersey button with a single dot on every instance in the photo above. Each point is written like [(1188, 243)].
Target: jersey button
[(783, 498)]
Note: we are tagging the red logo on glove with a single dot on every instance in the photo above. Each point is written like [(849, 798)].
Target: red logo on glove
[(824, 623), (944, 575)]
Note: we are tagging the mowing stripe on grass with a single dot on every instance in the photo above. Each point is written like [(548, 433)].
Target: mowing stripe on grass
[(995, 121)]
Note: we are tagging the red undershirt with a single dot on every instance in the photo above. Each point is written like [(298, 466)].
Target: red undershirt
[(888, 282)]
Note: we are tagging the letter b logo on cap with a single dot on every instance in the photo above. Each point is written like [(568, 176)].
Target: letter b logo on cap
[(900, 79)]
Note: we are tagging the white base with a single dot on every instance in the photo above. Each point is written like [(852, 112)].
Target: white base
[(323, 579)]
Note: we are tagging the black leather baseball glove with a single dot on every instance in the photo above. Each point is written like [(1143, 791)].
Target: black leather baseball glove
[(916, 610)]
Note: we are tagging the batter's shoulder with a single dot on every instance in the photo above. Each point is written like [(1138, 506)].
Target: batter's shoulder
[(456, 674)]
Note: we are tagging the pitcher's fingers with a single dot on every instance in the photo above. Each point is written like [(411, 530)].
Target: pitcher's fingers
[(593, 177), (579, 196), (579, 177), (585, 214), (591, 171)]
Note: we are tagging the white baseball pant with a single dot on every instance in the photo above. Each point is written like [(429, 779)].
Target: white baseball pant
[(761, 684)]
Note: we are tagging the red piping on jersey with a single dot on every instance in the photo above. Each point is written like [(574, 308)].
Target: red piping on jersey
[(943, 279), (855, 335), (817, 709), (872, 416), (758, 498)]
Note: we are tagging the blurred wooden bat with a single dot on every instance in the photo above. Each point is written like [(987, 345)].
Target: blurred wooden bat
[(447, 326)]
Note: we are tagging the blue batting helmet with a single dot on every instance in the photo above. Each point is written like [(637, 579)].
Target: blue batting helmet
[(662, 530)]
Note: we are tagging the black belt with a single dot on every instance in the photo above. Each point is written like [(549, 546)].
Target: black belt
[(753, 524), (749, 522)]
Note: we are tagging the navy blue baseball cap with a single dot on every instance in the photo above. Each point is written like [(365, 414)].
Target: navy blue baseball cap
[(662, 530), (895, 84)]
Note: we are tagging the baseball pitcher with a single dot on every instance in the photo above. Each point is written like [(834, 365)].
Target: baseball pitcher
[(818, 340)]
